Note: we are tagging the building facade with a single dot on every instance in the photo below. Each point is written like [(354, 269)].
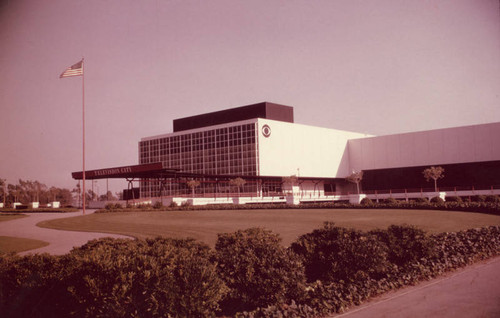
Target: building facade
[(261, 144)]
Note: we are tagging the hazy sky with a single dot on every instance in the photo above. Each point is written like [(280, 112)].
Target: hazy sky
[(378, 67)]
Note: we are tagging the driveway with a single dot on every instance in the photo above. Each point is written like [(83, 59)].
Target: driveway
[(470, 292), (60, 242)]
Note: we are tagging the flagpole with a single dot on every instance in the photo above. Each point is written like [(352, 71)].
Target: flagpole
[(83, 135)]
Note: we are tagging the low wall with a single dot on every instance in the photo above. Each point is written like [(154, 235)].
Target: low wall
[(297, 198)]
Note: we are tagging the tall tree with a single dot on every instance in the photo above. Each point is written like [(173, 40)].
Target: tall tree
[(433, 173), (39, 190), (355, 177), (14, 192)]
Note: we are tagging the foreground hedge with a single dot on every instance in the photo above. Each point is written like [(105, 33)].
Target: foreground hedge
[(114, 278), (258, 270), (248, 271), (438, 254), (336, 253)]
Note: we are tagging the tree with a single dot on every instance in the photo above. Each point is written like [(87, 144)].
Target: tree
[(291, 180), (40, 189), (3, 190), (52, 193), (14, 192), (192, 184), (355, 177), (433, 173), (78, 194), (119, 195), (237, 182), (90, 195), (107, 197)]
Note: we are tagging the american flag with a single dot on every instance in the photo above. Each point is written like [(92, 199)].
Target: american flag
[(73, 70)]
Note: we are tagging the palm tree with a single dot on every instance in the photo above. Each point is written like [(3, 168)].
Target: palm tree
[(237, 182), (193, 184)]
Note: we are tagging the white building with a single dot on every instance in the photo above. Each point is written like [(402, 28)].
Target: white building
[(261, 144)]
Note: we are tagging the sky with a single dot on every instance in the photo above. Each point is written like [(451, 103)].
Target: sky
[(378, 67)]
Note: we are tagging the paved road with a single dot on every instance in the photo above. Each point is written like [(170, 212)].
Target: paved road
[(470, 292), (60, 242)]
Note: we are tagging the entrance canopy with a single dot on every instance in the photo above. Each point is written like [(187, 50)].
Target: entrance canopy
[(157, 171), (150, 170)]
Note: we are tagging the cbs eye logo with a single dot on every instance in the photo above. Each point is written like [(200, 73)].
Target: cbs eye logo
[(266, 131)]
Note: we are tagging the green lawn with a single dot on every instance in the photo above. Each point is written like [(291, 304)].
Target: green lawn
[(204, 225), (17, 244), (8, 217)]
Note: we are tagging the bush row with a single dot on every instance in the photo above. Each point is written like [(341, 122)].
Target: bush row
[(248, 273), (344, 279), (480, 204)]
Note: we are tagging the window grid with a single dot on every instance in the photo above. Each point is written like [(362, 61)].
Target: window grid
[(229, 150)]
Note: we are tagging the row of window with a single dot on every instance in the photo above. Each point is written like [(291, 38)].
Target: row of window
[(230, 151), (152, 189), (222, 137), (224, 158)]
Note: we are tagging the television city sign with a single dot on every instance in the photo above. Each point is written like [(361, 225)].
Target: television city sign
[(120, 172)]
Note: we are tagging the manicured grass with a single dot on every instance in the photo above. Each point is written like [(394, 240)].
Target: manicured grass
[(16, 244), (290, 224), (8, 217), (40, 210)]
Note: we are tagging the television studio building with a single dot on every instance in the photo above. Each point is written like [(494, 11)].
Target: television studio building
[(258, 154)]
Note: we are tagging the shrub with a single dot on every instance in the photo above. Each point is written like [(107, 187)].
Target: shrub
[(366, 202), (457, 249), (478, 198), (454, 199), (437, 201), (492, 199), (421, 200), (173, 204), (144, 206), (158, 205), (334, 254), (391, 201), (113, 206), (155, 277), (113, 278), (34, 286), (282, 310), (258, 270), (407, 244)]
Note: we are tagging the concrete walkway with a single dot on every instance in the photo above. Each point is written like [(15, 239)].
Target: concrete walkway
[(60, 242), (470, 292)]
